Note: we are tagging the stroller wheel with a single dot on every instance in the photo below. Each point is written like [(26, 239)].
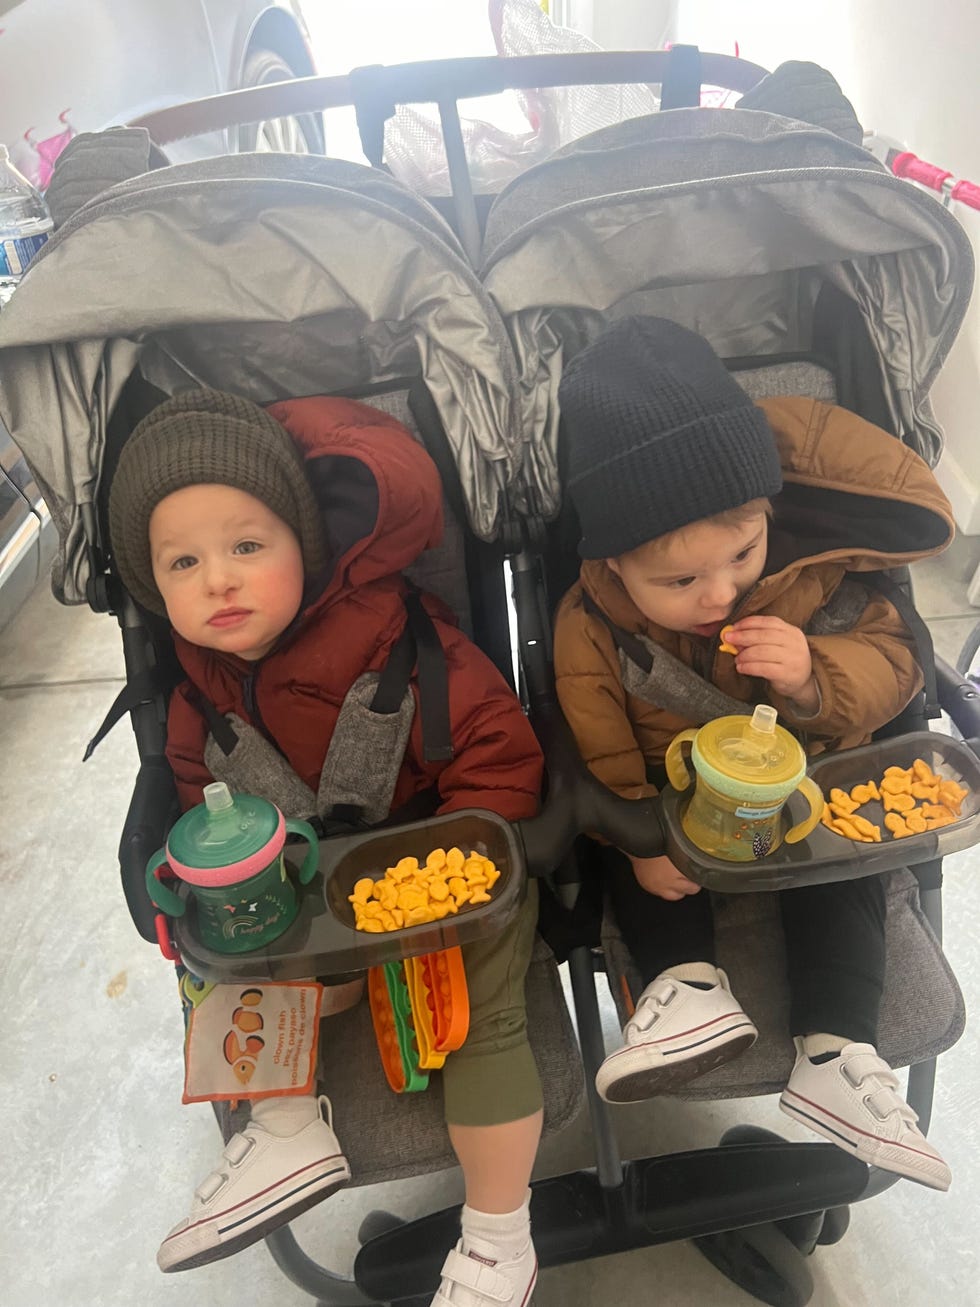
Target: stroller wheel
[(835, 1223), (377, 1223), (750, 1134), (761, 1260)]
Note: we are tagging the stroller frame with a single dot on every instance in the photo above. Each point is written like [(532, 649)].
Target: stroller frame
[(754, 1194)]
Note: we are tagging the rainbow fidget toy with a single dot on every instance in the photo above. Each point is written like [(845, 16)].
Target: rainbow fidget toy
[(420, 1010)]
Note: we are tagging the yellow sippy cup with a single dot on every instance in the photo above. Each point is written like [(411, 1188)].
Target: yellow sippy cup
[(747, 767)]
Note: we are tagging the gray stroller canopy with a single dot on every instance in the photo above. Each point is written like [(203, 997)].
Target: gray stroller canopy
[(267, 275), (274, 276), (728, 222)]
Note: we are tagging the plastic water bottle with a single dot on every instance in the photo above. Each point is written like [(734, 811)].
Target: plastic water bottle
[(25, 224)]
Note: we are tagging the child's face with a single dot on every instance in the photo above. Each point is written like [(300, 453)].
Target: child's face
[(693, 581), (229, 570)]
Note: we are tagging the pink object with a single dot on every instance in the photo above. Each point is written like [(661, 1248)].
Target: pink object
[(909, 165), (215, 877), (967, 193), (49, 149)]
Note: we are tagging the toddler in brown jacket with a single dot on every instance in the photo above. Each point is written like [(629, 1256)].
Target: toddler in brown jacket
[(698, 510)]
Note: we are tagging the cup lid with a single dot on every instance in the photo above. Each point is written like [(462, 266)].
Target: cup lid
[(751, 750), (225, 830)]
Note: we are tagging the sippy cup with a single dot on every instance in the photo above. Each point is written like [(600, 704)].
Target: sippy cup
[(229, 850), (747, 767)]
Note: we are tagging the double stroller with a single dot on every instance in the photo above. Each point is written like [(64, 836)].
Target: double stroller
[(808, 267)]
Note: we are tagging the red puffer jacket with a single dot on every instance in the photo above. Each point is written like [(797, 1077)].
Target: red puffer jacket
[(382, 506)]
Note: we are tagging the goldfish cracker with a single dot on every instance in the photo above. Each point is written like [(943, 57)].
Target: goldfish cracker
[(828, 817), (922, 772), (897, 802), (916, 821), (897, 771), (920, 790), (864, 826), (843, 826), (725, 647), (897, 825), (411, 894), (896, 785), (862, 794), (362, 890), (843, 801)]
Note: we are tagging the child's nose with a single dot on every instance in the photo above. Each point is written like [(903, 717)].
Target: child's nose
[(219, 577), (722, 592)]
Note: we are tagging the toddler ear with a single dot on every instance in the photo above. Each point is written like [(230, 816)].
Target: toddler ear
[(613, 565)]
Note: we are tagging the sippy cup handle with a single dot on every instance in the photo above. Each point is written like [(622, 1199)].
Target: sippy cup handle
[(304, 829), (816, 800), (164, 898), (677, 769)]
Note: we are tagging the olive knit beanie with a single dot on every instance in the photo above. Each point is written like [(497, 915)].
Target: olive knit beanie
[(203, 437), (657, 435)]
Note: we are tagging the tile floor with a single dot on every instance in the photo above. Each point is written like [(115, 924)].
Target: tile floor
[(99, 1156)]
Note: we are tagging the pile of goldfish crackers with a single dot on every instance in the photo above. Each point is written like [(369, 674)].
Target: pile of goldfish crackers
[(939, 801), (409, 894)]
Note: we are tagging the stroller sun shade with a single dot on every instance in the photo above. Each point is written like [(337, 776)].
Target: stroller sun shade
[(729, 222), (268, 276)]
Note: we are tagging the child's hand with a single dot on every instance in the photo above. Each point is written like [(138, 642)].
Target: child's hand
[(779, 653), (659, 876)]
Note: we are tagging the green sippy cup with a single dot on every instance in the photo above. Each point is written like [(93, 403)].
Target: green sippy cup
[(229, 850), (747, 767)]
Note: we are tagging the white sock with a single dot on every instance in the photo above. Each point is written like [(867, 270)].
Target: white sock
[(819, 1045), (286, 1115), (498, 1236), (702, 973)]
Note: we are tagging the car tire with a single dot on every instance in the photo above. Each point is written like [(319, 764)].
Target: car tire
[(297, 134)]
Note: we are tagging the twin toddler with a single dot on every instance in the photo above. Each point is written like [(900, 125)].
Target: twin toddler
[(273, 541)]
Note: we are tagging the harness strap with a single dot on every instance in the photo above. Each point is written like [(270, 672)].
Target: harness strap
[(141, 689), (437, 735), (887, 585)]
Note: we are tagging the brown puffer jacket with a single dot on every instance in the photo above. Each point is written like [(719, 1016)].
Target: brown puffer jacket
[(854, 499)]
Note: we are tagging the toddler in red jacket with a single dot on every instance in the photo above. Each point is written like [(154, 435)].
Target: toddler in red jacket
[(274, 542)]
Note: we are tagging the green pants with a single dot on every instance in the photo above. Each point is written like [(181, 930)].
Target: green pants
[(493, 1078)]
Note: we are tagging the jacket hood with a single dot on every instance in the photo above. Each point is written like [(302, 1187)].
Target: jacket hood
[(379, 492), (854, 498)]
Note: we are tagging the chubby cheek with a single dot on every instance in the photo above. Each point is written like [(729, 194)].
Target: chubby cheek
[(279, 594)]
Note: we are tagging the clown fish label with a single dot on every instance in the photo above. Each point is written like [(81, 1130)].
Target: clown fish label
[(252, 1041)]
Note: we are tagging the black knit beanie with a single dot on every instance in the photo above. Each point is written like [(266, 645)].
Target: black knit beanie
[(203, 437), (657, 435)]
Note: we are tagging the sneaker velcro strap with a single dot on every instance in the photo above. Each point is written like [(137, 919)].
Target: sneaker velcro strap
[(238, 1148), (476, 1276), (210, 1186), (858, 1068)]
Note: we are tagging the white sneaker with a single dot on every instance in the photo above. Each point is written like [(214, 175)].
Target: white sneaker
[(852, 1100), (475, 1280), (678, 1032), (264, 1180)]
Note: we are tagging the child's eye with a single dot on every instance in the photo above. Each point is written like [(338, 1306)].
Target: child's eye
[(247, 547), (682, 583), (745, 554), (183, 563)]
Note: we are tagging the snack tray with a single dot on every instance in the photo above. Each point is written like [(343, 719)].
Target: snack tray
[(824, 855), (323, 942)]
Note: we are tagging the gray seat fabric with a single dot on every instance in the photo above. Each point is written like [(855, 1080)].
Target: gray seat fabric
[(368, 1116), (800, 378), (922, 1012)]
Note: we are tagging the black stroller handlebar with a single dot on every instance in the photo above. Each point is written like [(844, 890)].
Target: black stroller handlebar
[(378, 88)]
